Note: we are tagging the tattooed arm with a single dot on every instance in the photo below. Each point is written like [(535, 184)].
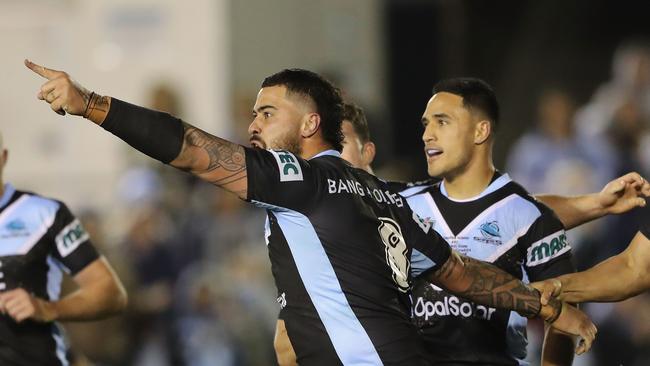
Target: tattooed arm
[(486, 284), (156, 134), (213, 159)]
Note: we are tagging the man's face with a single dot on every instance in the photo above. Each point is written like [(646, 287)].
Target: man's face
[(277, 120), (448, 135), (352, 146)]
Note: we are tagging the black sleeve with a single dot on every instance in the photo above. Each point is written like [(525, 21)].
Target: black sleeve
[(72, 246), (547, 250), (430, 250), (280, 179), (156, 134)]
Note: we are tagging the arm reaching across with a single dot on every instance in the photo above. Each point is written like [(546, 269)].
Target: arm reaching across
[(155, 134), (615, 279), (618, 196), (488, 285)]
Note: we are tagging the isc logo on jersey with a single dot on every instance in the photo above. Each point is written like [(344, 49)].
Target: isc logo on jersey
[(70, 237), (288, 165), (547, 248)]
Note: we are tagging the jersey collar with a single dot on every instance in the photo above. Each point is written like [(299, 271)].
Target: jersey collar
[(330, 152), (8, 193), (498, 183)]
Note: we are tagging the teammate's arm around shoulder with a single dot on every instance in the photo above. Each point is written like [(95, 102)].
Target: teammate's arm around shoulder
[(488, 285), (156, 134)]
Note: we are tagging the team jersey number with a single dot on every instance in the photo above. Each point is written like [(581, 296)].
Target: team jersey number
[(396, 252)]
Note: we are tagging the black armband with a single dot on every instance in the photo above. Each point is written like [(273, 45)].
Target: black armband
[(156, 134)]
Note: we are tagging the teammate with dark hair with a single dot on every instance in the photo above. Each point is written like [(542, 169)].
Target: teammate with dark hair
[(341, 243), (483, 214)]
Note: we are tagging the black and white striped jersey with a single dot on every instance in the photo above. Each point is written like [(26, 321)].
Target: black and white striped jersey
[(504, 225), (342, 246), (39, 240)]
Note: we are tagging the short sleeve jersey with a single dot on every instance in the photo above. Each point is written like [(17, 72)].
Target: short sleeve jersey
[(505, 226), (39, 240), (341, 245)]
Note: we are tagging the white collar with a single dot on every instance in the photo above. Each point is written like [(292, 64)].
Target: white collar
[(498, 183)]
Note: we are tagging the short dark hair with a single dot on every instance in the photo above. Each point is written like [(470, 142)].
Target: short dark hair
[(476, 93), (356, 116), (327, 97)]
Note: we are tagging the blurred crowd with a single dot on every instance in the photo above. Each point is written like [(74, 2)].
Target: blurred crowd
[(195, 264)]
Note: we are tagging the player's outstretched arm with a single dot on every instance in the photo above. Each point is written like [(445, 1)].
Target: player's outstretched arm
[(155, 134), (615, 279), (488, 285), (100, 294), (618, 196)]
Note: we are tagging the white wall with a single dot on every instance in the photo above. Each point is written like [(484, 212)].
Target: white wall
[(116, 47)]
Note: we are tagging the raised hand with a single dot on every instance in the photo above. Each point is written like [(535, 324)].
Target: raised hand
[(63, 94), (624, 193), (575, 322)]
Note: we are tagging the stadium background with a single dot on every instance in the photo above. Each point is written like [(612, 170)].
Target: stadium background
[(572, 77)]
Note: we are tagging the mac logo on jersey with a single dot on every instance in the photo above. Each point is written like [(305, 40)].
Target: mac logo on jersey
[(547, 248), (490, 229), (288, 165), (396, 252), (70, 237)]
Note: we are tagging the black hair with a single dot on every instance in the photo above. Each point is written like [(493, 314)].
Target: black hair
[(327, 97), (356, 116), (477, 95)]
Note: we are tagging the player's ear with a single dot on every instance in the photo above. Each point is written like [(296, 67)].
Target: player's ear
[(368, 152), (482, 131), (310, 125)]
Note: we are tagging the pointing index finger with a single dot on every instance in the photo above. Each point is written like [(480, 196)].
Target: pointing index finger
[(43, 71)]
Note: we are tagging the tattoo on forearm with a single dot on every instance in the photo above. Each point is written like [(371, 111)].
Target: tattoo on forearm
[(222, 155), (491, 286), (97, 106)]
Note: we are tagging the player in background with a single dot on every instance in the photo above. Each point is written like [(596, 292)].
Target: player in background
[(40, 239)]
